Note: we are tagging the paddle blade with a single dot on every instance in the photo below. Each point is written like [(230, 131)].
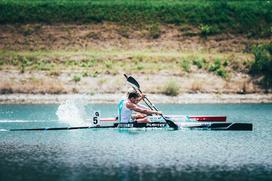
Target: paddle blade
[(171, 124), (132, 81)]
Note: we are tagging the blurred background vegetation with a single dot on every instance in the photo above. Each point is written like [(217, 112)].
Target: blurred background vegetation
[(212, 16), (202, 18)]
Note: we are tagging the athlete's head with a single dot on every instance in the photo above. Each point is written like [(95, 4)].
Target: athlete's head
[(132, 96)]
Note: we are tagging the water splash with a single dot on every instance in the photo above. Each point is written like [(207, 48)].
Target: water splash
[(73, 112)]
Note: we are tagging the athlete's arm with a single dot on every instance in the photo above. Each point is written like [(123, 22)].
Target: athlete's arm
[(142, 110), (142, 96)]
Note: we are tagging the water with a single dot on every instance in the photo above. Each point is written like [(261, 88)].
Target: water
[(111, 154)]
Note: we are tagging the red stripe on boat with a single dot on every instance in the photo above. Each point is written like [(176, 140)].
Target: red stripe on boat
[(196, 118), (108, 119), (209, 118)]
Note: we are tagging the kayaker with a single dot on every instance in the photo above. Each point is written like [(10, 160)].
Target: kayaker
[(130, 104)]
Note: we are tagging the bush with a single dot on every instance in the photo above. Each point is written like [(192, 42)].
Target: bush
[(44, 66), (139, 67), (171, 88), (76, 78), (263, 63), (218, 69), (22, 68), (185, 65), (206, 30), (226, 63), (91, 63), (215, 66), (222, 72), (200, 63), (85, 74), (108, 64), (94, 74)]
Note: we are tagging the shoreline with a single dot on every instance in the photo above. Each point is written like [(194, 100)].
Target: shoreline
[(156, 98)]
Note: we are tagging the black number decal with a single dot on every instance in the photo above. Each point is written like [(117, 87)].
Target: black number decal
[(96, 114), (95, 120)]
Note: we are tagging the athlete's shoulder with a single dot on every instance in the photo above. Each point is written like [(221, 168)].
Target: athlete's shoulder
[(130, 105)]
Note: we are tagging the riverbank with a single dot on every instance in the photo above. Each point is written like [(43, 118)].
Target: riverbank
[(156, 98), (92, 58)]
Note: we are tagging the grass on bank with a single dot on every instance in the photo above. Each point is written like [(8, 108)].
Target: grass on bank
[(92, 63), (33, 86), (171, 88), (251, 17)]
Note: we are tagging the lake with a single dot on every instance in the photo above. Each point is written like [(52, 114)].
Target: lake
[(113, 154)]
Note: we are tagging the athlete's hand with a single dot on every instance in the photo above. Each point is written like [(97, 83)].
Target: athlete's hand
[(159, 113), (142, 96)]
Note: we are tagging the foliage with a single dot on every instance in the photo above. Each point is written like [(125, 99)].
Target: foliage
[(222, 72), (199, 62), (185, 65), (218, 69), (171, 88), (263, 63), (215, 66), (76, 78), (94, 74), (226, 63), (43, 65), (85, 74), (108, 64), (139, 67), (206, 30), (252, 17)]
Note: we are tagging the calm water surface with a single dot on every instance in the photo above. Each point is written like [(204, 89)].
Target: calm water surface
[(111, 154)]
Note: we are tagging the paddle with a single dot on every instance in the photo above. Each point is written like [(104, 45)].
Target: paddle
[(136, 86)]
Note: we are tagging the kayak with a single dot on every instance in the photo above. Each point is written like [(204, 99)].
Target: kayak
[(183, 122), (182, 125)]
